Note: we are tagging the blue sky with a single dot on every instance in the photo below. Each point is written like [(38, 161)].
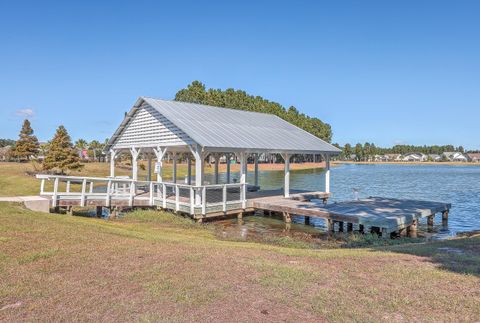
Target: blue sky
[(386, 72)]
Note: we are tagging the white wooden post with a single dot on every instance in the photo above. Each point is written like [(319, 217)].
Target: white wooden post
[(227, 157), (164, 197), (256, 169), (189, 170), (327, 174), (91, 187), (286, 185), (68, 186), (151, 189), (199, 156), (84, 188), (216, 157), (192, 200), (174, 176), (135, 153), (42, 186), (204, 200), (113, 155), (55, 192), (224, 198), (177, 198), (132, 193), (243, 177), (107, 198), (159, 153), (243, 167)]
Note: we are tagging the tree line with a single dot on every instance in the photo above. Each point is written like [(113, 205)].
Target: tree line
[(367, 150), (238, 99)]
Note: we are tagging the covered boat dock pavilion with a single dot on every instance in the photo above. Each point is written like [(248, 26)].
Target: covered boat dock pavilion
[(154, 129)]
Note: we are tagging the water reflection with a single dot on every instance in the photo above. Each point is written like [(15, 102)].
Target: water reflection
[(459, 185)]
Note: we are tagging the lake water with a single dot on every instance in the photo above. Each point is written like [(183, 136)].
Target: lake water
[(459, 185)]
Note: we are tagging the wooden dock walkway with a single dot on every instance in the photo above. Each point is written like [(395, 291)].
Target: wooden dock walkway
[(377, 214)]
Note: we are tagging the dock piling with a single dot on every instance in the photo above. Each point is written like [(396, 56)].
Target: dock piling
[(430, 220), (329, 224), (412, 229), (445, 218), (349, 227), (286, 217), (307, 220)]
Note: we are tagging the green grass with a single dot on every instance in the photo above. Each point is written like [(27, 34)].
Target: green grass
[(158, 266)]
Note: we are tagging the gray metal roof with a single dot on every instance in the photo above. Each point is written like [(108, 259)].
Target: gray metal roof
[(223, 128)]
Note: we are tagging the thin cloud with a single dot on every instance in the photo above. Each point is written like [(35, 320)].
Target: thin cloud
[(25, 113)]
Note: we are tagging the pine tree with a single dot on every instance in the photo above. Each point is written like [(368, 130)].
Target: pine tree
[(27, 145), (61, 154)]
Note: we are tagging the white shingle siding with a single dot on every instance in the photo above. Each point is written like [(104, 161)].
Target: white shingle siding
[(148, 128)]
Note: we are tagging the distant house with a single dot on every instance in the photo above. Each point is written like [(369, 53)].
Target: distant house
[(455, 156), (434, 157), (414, 157), (393, 157), (473, 157), (380, 158), (352, 157)]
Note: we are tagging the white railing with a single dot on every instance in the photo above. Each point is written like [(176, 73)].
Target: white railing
[(178, 197)]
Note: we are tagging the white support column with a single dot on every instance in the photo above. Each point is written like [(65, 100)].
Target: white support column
[(286, 185), (256, 169), (243, 177), (113, 155), (227, 158), (327, 174), (149, 168), (159, 153), (135, 153), (199, 160), (243, 167), (217, 159), (189, 170), (174, 175)]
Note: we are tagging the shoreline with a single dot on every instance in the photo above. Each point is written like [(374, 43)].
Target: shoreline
[(338, 162)]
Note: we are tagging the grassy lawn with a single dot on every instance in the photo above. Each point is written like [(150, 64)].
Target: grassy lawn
[(156, 266)]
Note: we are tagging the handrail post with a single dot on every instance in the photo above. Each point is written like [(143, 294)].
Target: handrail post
[(192, 201), (151, 193), (224, 196), (204, 200), (68, 186), (164, 198), (132, 193), (55, 192), (177, 198), (244, 195), (84, 186), (107, 198), (42, 186), (91, 187)]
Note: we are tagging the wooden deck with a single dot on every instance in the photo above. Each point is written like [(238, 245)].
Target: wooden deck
[(385, 215), (377, 214)]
